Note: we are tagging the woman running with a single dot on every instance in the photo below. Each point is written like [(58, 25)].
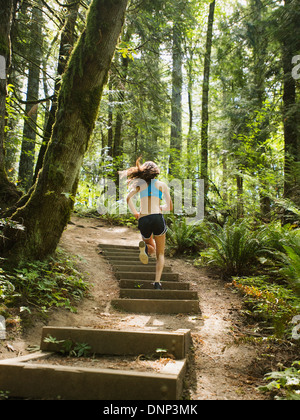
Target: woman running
[(151, 222)]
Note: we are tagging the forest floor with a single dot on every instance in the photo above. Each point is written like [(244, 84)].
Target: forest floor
[(222, 365)]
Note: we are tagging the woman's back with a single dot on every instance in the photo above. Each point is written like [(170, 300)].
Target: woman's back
[(151, 195)]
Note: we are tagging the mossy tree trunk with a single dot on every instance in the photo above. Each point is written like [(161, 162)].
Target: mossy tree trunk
[(205, 99), (66, 44), (176, 104), (26, 165), (49, 207), (291, 107), (8, 191)]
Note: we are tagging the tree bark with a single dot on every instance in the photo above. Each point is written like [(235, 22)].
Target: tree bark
[(240, 200), (205, 100), (8, 191), (176, 108), (258, 96), (66, 45), (110, 133), (26, 165), (290, 113), (117, 141), (190, 139), (48, 210)]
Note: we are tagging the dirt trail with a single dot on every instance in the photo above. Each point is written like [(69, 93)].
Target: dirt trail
[(219, 369)]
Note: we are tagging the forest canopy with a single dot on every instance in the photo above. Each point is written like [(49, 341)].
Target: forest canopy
[(207, 90)]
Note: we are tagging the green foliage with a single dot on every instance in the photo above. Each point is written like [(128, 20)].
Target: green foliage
[(291, 264), (69, 348), (243, 248), (42, 285), (234, 247), (274, 304), (183, 237), (4, 395), (11, 224), (284, 383), (283, 259)]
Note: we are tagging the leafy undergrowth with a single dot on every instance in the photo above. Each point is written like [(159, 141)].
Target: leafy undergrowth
[(284, 384), (275, 310), (37, 287), (273, 305)]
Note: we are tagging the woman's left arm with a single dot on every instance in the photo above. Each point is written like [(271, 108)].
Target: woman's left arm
[(130, 203)]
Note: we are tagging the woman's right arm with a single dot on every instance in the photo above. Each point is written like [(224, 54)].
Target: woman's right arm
[(130, 203)]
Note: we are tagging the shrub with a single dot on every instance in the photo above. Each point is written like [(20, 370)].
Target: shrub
[(283, 244), (273, 303), (234, 248), (291, 264), (284, 383), (42, 285), (183, 237)]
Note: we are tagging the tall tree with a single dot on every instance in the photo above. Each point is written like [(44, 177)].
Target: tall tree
[(176, 105), (26, 165), (205, 99), (260, 70), (8, 191), (66, 44), (123, 73), (48, 209), (290, 38)]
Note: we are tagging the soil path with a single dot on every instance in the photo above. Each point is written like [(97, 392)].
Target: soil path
[(219, 369)]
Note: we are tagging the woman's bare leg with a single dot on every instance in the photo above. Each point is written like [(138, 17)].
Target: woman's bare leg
[(150, 245), (160, 256)]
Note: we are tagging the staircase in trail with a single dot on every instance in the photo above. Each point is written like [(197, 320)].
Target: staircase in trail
[(137, 294), (39, 376)]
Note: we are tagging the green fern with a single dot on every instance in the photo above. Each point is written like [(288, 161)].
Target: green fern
[(234, 248), (183, 237), (291, 263)]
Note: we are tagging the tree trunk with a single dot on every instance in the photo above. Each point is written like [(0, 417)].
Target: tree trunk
[(110, 133), (8, 191), (205, 100), (190, 145), (48, 210), (66, 45), (240, 200), (176, 108), (258, 96), (291, 131), (27, 158), (117, 141)]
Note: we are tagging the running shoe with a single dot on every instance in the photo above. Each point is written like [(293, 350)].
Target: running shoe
[(157, 286), (143, 254)]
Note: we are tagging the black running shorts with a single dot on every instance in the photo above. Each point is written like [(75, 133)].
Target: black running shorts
[(152, 224)]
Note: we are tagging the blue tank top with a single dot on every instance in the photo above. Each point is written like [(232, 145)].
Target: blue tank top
[(151, 191)]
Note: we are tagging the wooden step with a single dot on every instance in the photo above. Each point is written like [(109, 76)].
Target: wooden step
[(148, 284), (139, 268), (158, 294), (157, 306), (145, 276)]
